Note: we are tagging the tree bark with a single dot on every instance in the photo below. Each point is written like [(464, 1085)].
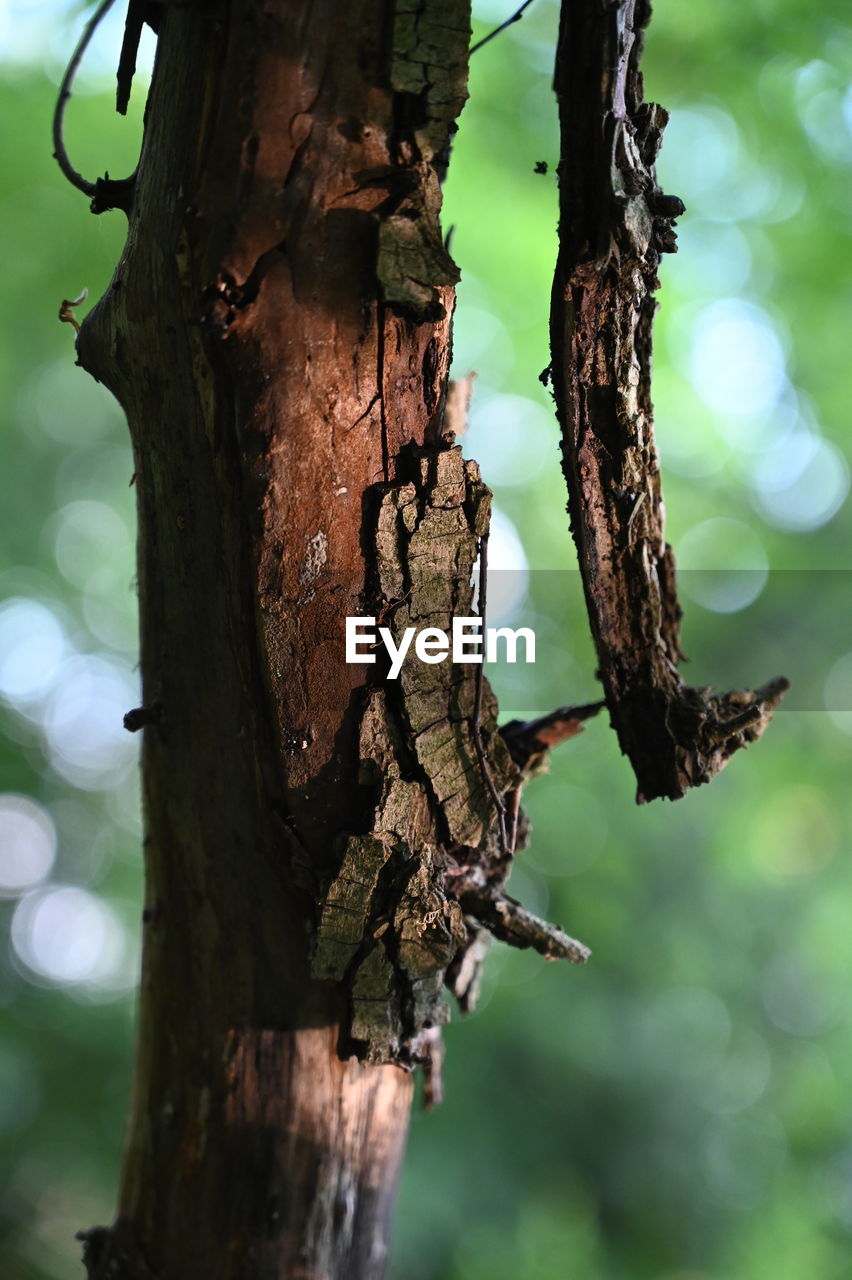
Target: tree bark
[(323, 847), (276, 346), (326, 849), (614, 224)]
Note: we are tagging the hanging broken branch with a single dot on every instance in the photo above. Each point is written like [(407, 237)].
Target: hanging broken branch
[(615, 223)]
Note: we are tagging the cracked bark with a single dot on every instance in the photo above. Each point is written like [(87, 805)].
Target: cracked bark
[(614, 225), (320, 852)]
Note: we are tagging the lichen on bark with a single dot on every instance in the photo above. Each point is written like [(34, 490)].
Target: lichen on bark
[(414, 898), (428, 76), (390, 924)]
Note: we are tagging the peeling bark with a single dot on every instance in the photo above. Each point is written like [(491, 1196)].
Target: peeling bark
[(391, 924), (615, 223), (322, 846), (326, 850)]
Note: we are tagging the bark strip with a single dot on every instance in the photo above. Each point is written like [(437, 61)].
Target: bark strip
[(411, 897), (615, 223)]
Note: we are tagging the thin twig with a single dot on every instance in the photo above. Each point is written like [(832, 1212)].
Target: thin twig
[(476, 722), (60, 153), (516, 17), (507, 920)]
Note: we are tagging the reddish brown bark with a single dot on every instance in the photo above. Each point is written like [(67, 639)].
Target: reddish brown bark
[(322, 849), (273, 369)]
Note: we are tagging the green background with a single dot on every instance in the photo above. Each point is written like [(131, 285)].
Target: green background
[(679, 1109)]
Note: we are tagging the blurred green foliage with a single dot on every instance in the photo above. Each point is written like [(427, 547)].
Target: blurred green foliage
[(679, 1109)]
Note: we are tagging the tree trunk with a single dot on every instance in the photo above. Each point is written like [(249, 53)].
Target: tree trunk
[(278, 333), (326, 847)]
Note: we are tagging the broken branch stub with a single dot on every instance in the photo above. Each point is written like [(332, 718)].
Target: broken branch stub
[(615, 223)]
